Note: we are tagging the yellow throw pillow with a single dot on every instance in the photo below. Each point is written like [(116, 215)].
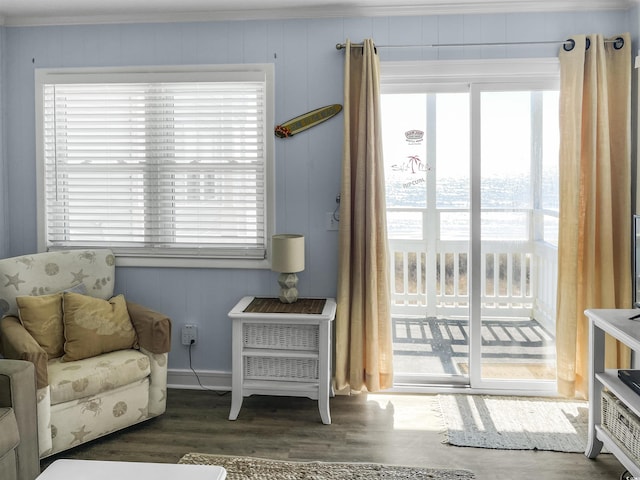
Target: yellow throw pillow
[(41, 316), (93, 326)]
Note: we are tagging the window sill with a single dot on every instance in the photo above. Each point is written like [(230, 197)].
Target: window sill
[(190, 262)]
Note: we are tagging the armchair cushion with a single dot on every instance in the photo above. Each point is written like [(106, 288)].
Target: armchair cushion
[(18, 396), (93, 326), (10, 437), (92, 376), (42, 317)]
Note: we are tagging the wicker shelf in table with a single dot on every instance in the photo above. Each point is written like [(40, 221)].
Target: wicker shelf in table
[(608, 396), (282, 350)]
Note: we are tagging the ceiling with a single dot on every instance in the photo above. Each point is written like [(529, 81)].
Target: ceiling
[(60, 12)]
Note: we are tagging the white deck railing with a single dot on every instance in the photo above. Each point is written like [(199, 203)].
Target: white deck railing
[(518, 279)]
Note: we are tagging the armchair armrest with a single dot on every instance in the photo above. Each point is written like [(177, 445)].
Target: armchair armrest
[(18, 391), (153, 328), (17, 344)]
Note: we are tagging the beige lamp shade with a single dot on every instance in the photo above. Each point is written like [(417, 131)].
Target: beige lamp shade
[(287, 253)]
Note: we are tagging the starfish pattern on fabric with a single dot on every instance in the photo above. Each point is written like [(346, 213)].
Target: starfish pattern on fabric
[(14, 280), (79, 276), (79, 435), (144, 413)]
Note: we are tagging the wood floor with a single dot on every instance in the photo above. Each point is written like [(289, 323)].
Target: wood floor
[(395, 429)]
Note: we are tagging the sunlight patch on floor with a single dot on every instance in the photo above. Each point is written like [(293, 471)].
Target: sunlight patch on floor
[(411, 412)]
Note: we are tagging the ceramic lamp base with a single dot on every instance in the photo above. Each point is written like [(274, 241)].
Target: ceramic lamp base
[(288, 287)]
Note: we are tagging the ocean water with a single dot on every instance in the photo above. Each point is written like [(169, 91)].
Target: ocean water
[(506, 202)]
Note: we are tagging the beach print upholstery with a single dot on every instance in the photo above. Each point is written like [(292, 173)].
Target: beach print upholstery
[(116, 374), (53, 272), (92, 376), (74, 423)]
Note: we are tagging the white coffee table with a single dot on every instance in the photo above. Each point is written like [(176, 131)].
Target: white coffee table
[(98, 470)]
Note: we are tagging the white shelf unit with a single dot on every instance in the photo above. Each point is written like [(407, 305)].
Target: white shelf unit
[(285, 354), (617, 323)]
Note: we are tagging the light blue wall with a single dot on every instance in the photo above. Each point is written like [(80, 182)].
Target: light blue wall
[(308, 75)]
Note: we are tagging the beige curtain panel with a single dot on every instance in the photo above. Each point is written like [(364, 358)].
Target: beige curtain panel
[(594, 264), (363, 319)]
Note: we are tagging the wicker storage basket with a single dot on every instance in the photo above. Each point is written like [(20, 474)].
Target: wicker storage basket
[(621, 423), (280, 337), (276, 368)]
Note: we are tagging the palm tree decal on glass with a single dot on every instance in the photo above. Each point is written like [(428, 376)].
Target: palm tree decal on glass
[(414, 161)]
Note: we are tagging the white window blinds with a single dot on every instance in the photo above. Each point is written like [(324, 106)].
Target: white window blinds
[(159, 168)]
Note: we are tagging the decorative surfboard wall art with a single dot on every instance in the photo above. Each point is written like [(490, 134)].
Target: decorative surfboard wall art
[(307, 120)]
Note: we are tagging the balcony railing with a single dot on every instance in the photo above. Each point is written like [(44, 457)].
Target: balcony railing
[(518, 279)]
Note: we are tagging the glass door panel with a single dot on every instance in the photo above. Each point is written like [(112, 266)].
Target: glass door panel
[(426, 151), (516, 337)]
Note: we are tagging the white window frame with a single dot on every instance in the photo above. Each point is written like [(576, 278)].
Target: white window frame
[(167, 74)]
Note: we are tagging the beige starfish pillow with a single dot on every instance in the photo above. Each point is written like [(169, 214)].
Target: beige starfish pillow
[(41, 316), (93, 326)]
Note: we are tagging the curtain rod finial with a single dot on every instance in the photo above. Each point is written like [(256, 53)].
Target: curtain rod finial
[(339, 46)]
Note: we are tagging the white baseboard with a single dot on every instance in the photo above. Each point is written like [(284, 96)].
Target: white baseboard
[(209, 380)]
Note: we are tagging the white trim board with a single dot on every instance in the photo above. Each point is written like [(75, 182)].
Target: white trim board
[(194, 11), (185, 379)]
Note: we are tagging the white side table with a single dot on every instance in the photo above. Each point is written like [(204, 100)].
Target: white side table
[(282, 349), (100, 470)]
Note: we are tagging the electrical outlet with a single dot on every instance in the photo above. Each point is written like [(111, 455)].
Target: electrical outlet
[(331, 222), (189, 334)]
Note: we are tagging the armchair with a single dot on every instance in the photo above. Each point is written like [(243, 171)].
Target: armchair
[(18, 426), (89, 383)]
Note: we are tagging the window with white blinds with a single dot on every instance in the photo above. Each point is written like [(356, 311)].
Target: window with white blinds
[(164, 164)]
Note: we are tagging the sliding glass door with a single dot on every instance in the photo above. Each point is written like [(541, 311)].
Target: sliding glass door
[(515, 144), (471, 172)]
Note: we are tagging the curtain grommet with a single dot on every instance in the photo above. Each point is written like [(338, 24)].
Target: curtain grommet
[(569, 45), (618, 43)]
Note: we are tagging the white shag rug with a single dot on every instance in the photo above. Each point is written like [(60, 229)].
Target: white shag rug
[(515, 423)]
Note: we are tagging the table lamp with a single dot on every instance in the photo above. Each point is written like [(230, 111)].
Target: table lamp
[(287, 257)]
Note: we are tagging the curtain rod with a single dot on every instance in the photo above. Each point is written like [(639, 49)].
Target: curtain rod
[(568, 44)]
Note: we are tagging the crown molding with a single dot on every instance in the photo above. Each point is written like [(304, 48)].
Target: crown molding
[(355, 9)]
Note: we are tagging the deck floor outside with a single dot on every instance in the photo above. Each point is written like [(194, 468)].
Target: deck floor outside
[(512, 348)]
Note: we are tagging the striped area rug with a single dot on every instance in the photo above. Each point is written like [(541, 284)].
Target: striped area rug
[(249, 468)]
